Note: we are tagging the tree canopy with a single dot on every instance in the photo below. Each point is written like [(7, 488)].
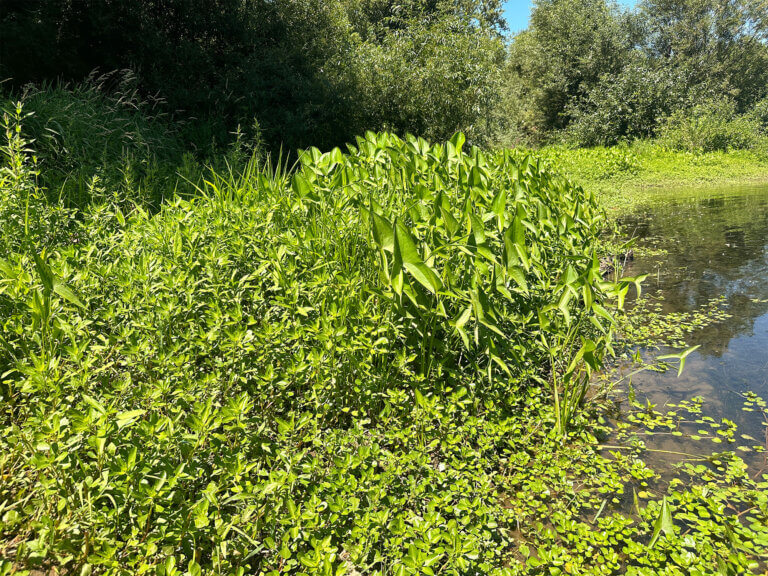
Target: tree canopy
[(309, 72), (601, 73)]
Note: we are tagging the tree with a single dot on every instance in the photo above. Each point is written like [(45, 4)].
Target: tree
[(718, 45), (568, 47), (311, 72)]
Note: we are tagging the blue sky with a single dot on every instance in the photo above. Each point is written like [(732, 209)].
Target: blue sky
[(517, 13)]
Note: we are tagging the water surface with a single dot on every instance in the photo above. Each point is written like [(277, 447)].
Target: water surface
[(717, 245)]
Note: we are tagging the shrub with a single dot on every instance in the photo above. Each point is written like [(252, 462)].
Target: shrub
[(311, 71), (713, 125), (759, 113), (627, 105)]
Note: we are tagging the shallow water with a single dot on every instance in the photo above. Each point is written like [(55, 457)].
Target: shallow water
[(717, 245)]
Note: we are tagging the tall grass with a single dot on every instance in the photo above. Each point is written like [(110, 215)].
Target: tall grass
[(101, 139)]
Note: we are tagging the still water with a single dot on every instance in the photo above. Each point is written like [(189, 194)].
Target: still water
[(717, 245)]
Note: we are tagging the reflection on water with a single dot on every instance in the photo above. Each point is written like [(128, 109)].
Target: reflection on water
[(717, 245)]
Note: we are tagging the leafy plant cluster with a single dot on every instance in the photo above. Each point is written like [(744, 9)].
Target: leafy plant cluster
[(24, 209), (597, 163), (712, 126), (89, 138), (294, 371), (727, 504), (647, 324), (365, 365)]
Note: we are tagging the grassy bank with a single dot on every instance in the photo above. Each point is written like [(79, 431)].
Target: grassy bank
[(625, 176)]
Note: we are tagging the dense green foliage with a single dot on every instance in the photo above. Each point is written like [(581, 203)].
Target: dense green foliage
[(373, 361), (602, 74), (568, 48), (368, 365), (167, 369), (310, 72), (306, 72), (87, 140), (100, 139), (711, 126)]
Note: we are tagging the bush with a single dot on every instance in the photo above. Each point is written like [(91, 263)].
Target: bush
[(627, 105), (759, 113), (711, 126), (568, 47)]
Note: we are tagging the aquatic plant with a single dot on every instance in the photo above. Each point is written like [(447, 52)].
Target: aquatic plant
[(365, 365)]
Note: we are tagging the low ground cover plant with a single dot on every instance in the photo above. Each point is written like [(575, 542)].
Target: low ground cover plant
[(374, 363)]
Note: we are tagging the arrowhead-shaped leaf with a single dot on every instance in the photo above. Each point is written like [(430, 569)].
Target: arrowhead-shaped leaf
[(405, 246)]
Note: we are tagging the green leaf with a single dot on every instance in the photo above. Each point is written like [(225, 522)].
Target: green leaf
[(65, 292), (499, 206), (459, 322), (406, 248), (681, 356), (129, 417), (443, 206), (478, 229), (463, 318), (518, 229), (458, 140), (193, 569), (95, 404), (383, 233), (518, 275), (420, 400), (475, 177), (570, 276), (510, 254), (46, 276), (663, 523), (300, 186), (518, 238), (6, 268)]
